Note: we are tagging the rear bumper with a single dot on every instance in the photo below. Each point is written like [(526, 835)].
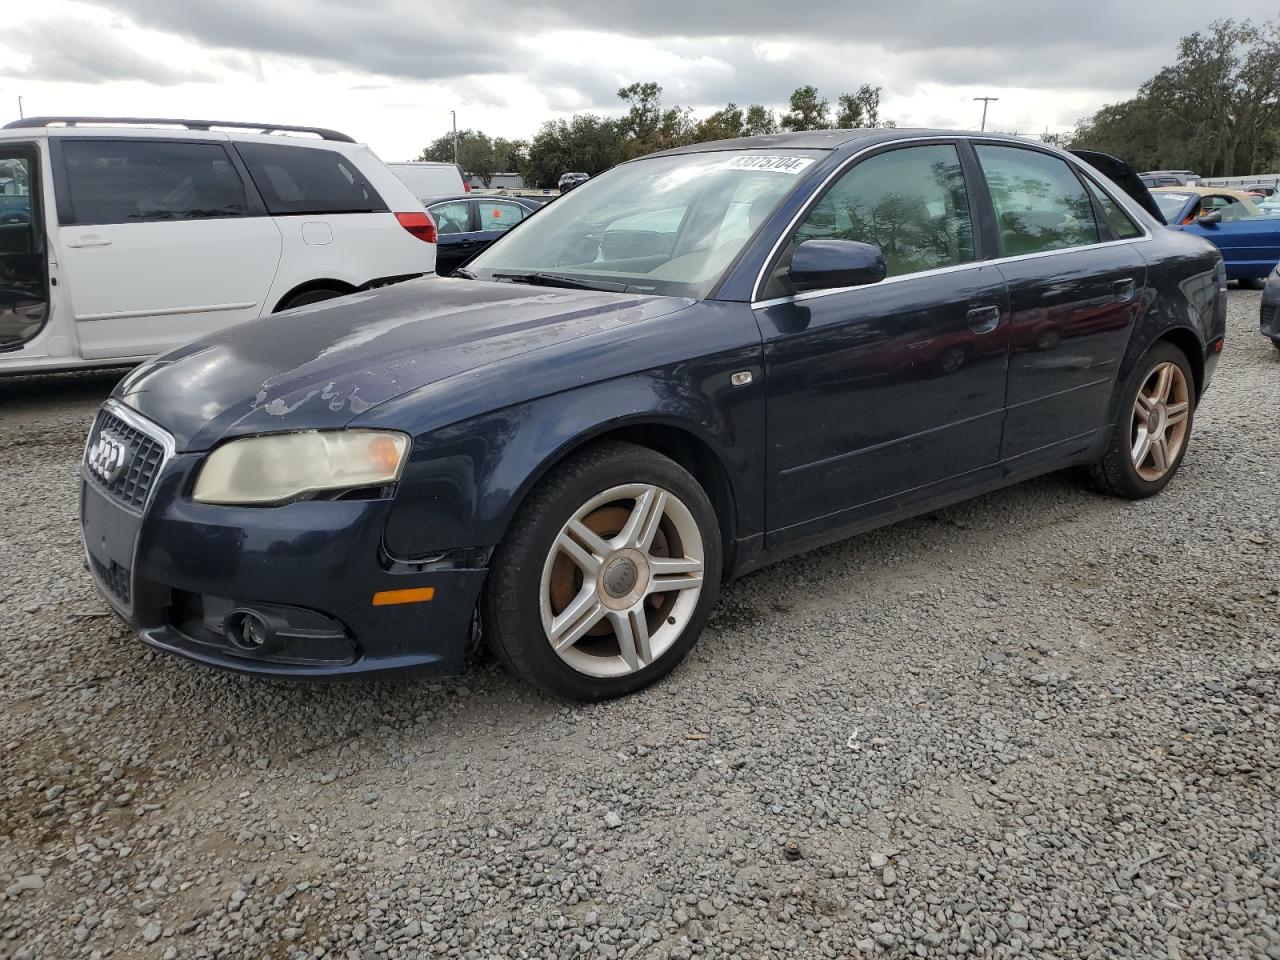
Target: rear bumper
[(311, 568)]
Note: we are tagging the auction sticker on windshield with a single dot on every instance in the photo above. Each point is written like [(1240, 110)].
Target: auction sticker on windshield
[(772, 164)]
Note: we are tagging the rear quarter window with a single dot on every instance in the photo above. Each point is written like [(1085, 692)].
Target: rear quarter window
[(308, 180)]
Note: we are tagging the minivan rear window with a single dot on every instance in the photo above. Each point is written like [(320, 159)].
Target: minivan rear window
[(298, 180), (131, 181)]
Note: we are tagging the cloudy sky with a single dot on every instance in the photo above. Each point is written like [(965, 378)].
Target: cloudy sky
[(389, 71)]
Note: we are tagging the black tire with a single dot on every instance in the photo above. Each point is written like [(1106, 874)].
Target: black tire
[(1252, 283), (310, 296), (1276, 344), (511, 612), (1115, 472)]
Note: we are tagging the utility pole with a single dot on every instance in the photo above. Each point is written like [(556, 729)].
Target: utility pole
[(985, 102), (454, 114)]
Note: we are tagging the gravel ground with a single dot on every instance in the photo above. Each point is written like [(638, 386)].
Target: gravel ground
[(1043, 723)]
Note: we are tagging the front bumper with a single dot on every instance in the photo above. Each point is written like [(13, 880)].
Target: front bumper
[(174, 568)]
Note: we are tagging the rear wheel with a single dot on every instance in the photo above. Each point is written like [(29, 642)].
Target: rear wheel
[(310, 296), (1252, 283), (607, 576), (1154, 427)]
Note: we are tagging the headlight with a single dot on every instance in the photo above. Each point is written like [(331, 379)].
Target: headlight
[(285, 466)]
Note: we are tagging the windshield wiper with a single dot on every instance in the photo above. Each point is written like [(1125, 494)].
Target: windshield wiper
[(464, 273), (558, 280)]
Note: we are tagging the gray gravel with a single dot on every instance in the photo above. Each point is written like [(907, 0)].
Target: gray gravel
[(1043, 723)]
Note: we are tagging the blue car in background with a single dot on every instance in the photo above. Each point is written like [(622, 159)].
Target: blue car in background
[(1248, 238)]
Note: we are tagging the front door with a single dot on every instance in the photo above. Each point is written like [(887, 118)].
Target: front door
[(882, 396), (160, 242), (1076, 288), (457, 239)]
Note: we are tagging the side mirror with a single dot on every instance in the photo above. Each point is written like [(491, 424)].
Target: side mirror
[(1213, 216), (824, 264)]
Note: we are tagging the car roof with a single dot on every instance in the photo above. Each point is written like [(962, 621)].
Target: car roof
[(1204, 191), (476, 196), (838, 139)]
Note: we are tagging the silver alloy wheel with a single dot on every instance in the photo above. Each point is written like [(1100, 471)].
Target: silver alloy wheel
[(1160, 420), (622, 580)]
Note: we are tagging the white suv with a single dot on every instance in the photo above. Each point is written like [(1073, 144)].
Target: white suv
[(123, 238)]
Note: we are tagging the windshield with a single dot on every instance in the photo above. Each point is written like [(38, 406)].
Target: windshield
[(1171, 204), (665, 225)]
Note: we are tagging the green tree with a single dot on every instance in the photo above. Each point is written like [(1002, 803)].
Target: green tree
[(478, 154), (584, 142), (861, 109), (1215, 110), (759, 121), (808, 111)]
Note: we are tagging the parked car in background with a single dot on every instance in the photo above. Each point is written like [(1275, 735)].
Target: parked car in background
[(166, 230), (1270, 309), (1169, 178), (1260, 189), (570, 180), (468, 223), (570, 444), (1269, 208), (430, 179), (1248, 238)]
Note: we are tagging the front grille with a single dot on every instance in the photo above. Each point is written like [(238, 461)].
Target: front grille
[(146, 456), (113, 577)]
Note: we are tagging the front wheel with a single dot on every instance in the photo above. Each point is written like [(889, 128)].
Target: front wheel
[(607, 576), (1151, 433)]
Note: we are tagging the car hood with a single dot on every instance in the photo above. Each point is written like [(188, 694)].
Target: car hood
[(321, 366)]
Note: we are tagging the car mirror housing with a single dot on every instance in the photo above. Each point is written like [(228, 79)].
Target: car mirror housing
[(1213, 216), (824, 264)]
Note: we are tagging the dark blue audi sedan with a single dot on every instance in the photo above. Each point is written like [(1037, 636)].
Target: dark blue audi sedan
[(689, 367)]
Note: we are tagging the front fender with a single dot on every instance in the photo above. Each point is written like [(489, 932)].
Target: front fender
[(482, 441)]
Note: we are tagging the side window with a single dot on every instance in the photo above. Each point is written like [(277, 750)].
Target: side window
[(1117, 221), (499, 214), (296, 180), (910, 202), (1230, 207), (129, 181), (451, 217), (1040, 202)]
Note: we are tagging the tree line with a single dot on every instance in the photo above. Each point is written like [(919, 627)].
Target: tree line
[(1215, 110), (593, 143)]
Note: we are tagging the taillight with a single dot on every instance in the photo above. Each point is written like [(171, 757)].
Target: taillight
[(466, 186), (420, 225)]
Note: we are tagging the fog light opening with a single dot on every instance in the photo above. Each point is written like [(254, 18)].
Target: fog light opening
[(249, 630)]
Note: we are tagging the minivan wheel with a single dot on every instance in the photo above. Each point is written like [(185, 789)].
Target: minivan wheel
[(607, 576), (1153, 428), (309, 297)]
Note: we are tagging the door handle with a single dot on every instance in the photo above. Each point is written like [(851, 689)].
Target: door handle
[(92, 240), (1124, 289), (983, 319)]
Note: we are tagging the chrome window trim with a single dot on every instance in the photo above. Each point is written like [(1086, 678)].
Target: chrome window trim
[(758, 288), (954, 268)]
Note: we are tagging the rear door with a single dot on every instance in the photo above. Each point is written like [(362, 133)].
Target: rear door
[(160, 241), (24, 261), (1076, 280)]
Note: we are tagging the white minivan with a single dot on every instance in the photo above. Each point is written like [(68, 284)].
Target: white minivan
[(123, 238)]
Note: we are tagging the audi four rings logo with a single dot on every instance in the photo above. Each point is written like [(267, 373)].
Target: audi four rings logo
[(108, 457)]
